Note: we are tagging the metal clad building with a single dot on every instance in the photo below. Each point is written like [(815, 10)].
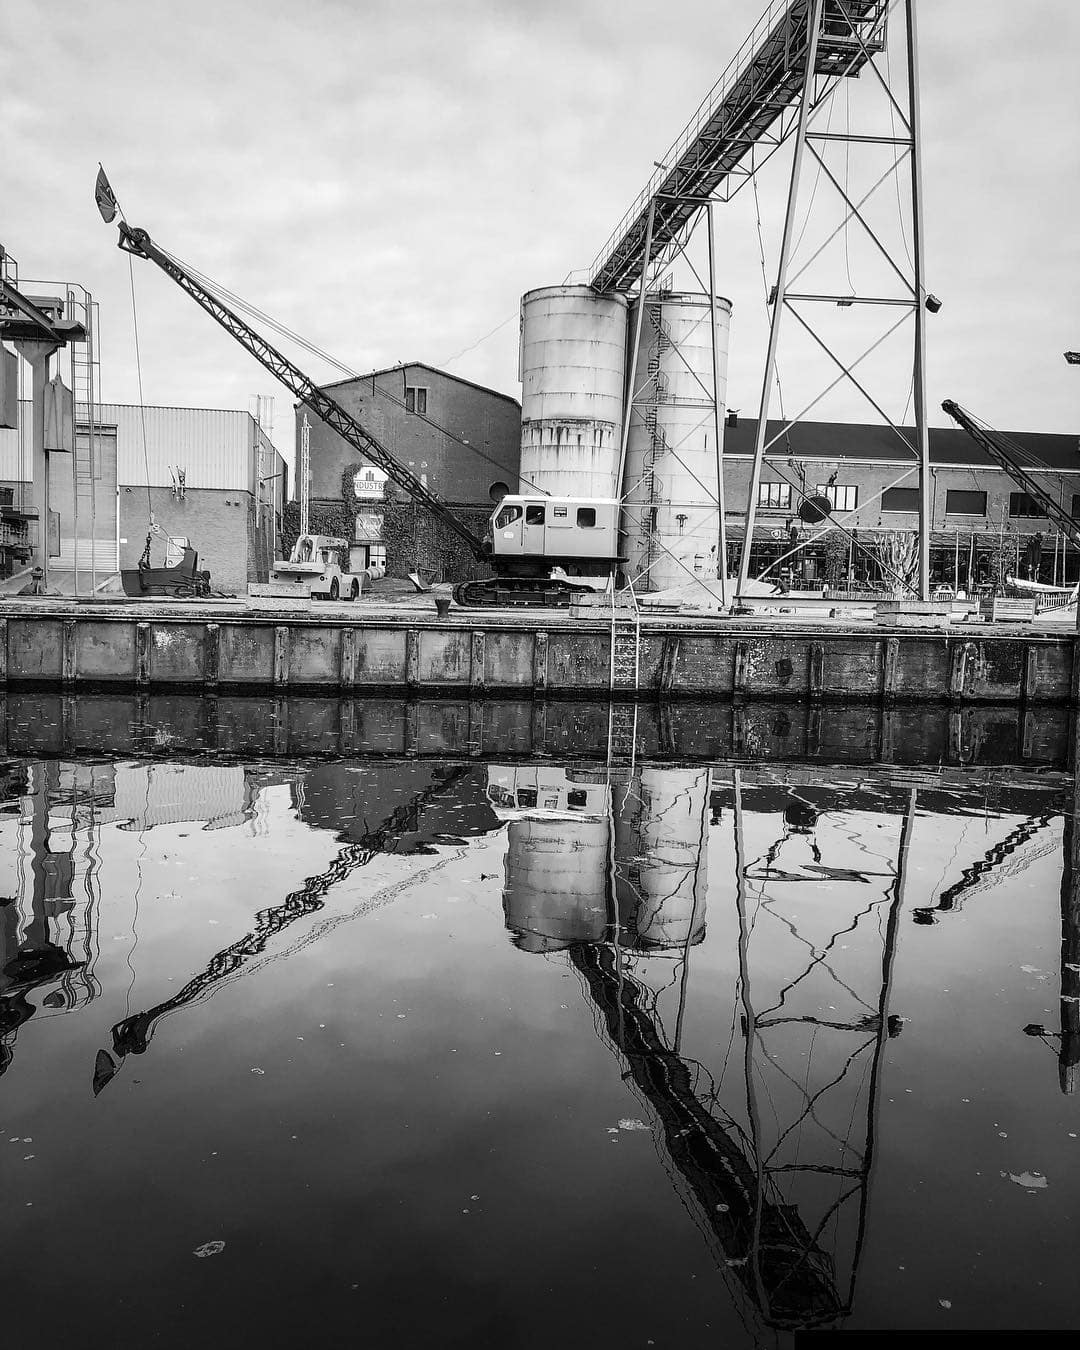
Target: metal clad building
[(210, 476)]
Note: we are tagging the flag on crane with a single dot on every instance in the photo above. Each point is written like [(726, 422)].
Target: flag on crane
[(105, 197)]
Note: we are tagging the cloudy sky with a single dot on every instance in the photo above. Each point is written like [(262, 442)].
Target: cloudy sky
[(389, 179)]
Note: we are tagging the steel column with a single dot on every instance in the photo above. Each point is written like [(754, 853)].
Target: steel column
[(919, 372), (814, 20), (718, 424)]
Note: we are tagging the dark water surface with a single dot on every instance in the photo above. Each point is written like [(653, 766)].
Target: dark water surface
[(533, 1052)]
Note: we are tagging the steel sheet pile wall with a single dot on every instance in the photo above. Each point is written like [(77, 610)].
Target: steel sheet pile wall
[(670, 485), (573, 371)]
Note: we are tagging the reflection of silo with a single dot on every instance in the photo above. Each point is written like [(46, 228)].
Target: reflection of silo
[(556, 881), (670, 482), (572, 369), (661, 846)]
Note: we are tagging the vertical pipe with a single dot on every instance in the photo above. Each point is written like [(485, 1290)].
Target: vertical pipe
[(921, 429), (74, 457), (956, 562), (814, 20), (92, 423), (632, 373), (718, 425)]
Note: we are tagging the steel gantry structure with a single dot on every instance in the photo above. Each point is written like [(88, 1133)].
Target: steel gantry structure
[(785, 73)]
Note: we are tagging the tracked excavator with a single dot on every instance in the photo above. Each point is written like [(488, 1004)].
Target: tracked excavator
[(543, 550)]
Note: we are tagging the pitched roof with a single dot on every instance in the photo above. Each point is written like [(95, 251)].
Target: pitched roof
[(848, 440), (420, 365)]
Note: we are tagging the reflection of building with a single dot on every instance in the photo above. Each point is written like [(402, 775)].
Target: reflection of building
[(434, 801), (49, 940), (48, 926)]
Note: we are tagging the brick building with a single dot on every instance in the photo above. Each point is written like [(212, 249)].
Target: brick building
[(976, 506), (461, 440)]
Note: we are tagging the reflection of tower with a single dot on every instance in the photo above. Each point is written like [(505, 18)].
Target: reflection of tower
[(48, 928), (661, 824), (558, 854)]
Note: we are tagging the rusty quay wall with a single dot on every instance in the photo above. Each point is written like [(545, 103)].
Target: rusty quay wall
[(371, 649)]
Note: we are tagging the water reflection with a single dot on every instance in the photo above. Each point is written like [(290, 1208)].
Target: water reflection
[(737, 935)]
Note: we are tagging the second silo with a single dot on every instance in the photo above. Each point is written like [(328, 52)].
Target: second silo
[(573, 375), (671, 520)]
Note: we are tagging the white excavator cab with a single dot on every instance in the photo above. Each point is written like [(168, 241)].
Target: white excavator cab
[(566, 532)]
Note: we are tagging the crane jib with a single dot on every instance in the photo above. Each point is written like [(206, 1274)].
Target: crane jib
[(322, 405)]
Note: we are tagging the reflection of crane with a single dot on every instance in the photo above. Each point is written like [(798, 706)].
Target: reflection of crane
[(992, 867), (779, 1262), (133, 1034)]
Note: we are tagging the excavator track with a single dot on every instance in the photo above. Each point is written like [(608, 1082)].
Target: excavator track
[(518, 592)]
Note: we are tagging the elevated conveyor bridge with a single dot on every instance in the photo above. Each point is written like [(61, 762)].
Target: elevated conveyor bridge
[(746, 116)]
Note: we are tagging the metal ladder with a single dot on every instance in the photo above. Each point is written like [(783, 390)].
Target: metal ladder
[(624, 675)]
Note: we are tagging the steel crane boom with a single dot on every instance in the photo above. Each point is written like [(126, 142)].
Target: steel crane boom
[(988, 441), (138, 242), (539, 542)]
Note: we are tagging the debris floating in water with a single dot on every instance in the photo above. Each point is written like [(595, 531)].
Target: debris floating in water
[(1032, 1180), (209, 1248)]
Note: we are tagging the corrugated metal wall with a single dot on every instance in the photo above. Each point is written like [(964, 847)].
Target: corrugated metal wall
[(215, 448)]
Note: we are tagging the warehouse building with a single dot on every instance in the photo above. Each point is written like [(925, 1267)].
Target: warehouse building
[(212, 478), (871, 482), (461, 440)]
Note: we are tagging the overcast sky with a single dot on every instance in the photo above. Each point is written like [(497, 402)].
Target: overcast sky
[(389, 179)]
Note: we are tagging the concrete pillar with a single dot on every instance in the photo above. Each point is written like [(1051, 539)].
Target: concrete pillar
[(36, 354)]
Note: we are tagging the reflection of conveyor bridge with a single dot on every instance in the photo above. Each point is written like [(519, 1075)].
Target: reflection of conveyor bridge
[(133, 1034)]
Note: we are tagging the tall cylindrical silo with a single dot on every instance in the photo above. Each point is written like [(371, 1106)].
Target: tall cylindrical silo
[(671, 520), (661, 848), (573, 375)]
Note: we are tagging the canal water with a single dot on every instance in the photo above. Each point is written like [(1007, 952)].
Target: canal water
[(394, 1049)]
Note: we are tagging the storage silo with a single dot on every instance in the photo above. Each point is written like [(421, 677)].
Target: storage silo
[(661, 852), (572, 366), (671, 521)]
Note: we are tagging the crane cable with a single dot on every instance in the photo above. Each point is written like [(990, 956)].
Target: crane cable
[(224, 294)]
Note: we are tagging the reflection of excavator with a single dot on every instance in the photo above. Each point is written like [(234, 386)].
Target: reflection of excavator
[(133, 1034)]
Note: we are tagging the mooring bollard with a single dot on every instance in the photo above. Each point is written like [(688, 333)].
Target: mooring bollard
[(442, 606)]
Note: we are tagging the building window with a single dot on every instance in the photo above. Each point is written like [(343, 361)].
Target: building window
[(841, 496), (416, 399), (586, 517), (964, 502), (774, 495), (900, 499), (1023, 504)]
